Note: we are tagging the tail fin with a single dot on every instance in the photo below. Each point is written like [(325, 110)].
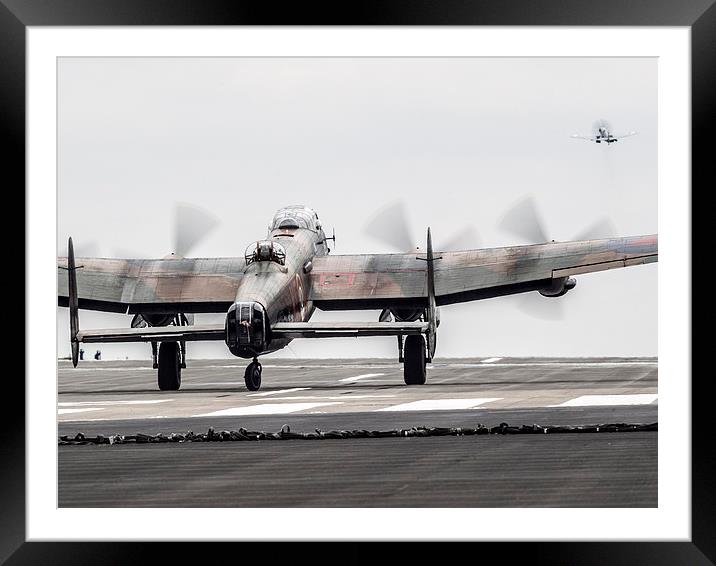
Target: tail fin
[(73, 302), (432, 308)]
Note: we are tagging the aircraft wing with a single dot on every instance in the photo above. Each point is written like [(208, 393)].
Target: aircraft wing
[(377, 281), (345, 329), (153, 285), (279, 330), (197, 332), (577, 136), (626, 135)]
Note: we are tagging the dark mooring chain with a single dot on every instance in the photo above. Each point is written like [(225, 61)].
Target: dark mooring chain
[(285, 433)]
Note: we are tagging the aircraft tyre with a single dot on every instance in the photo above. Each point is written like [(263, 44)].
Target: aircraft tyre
[(252, 376), (414, 365), (169, 374)]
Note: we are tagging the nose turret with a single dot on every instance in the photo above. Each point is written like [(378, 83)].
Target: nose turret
[(247, 329)]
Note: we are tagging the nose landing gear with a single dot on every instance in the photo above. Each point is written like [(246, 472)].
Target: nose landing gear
[(252, 375)]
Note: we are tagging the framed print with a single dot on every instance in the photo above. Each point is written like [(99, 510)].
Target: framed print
[(486, 123)]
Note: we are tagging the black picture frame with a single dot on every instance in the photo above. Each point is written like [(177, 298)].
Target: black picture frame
[(17, 15)]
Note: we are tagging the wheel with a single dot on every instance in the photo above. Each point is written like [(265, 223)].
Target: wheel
[(169, 374), (252, 376), (414, 365)]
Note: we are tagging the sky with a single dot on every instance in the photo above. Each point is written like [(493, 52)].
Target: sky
[(458, 140)]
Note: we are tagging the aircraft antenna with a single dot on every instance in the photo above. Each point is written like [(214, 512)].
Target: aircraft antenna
[(333, 237)]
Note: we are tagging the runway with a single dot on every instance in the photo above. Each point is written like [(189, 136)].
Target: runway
[(565, 470)]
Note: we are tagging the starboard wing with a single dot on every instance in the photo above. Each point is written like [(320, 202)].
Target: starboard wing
[(377, 281)]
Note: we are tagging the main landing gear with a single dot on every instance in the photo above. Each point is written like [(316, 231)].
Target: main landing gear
[(413, 358), (169, 363), (252, 375)]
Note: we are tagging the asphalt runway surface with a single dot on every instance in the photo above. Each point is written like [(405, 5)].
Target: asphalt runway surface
[(554, 470)]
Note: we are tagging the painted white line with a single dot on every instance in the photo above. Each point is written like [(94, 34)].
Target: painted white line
[(227, 366), (78, 369), (592, 400), (326, 398), (270, 366), (554, 364), (108, 403), (69, 411), (204, 384), (301, 366), (278, 392), (359, 377), (80, 420), (265, 409), (491, 360), (441, 404)]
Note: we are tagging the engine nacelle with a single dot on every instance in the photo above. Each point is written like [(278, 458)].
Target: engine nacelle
[(406, 315), (152, 319), (162, 319), (559, 287), (247, 329)]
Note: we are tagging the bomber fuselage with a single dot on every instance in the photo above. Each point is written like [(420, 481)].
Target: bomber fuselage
[(275, 286)]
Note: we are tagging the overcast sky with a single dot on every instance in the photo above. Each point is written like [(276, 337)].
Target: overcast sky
[(461, 140)]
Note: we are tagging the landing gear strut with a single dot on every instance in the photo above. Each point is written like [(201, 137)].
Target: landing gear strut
[(155, 363), (169, 362), (252, 376), (414, 356), (182, 354)]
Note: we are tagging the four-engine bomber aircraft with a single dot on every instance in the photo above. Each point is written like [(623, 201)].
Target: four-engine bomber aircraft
[(270, 294), (601, 133)]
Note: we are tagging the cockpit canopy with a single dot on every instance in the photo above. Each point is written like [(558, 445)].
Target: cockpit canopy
[(265, 250), (294, 217)]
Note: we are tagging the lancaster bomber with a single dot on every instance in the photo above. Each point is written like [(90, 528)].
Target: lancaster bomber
[(269, 294)]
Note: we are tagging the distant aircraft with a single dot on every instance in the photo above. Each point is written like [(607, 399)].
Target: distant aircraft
[(269, 294), (601, 133)]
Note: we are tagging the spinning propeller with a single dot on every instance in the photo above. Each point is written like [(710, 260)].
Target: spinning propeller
[(524, 221), (391, 226), (190, 225)]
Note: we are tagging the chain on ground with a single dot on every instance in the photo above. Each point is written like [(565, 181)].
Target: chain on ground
[(285, 433)]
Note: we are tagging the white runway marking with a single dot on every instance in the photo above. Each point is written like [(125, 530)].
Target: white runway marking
[(326, 398), (227, 366), (106, 369), (204, 384), (554, 364), (278, 392), (70, 411), (265, 409), (87, 420), (491, 360), (299, 366), (441, 404), (107, 403), (592, 400), (359, 377)]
